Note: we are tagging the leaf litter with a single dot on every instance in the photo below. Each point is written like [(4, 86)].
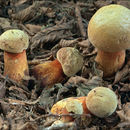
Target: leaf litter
[(52, 25)]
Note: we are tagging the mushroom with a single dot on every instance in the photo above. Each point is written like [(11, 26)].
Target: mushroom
[(70, 105), (109, 31), (101, 102), (68, 62), (14, 42)]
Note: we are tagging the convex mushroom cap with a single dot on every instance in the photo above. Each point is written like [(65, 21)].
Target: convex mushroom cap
[(14, 41), (109, 28), (67, 106), (101, 101), (71, 60)]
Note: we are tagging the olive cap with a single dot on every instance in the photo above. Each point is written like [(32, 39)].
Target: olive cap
[(14, 41), (109, 28), (101, 101), (71, 60)]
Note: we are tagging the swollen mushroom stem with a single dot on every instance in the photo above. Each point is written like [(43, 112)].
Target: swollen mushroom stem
[(48, 73), (109, 31), (14, 42)]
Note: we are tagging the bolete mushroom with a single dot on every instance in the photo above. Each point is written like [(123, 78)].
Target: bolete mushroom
[(68, 62), (14, 42), (109, 31), (101, 102), (70, 105)]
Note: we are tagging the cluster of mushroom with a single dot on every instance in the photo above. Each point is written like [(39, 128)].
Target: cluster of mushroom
[(100, 101), (108, 30), (14, 42)]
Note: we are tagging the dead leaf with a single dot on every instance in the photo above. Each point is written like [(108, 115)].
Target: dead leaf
[(5, 23), (125, 3), (1, 123), (52, 34), (27, 13), (125, 87), (28, 126), (101, 3), (33, 28), (122, 73), (2, 90), (82, 85), (124, 114), (80, 21), (62, 126), (76, 80), (66, 43), (83, 89)]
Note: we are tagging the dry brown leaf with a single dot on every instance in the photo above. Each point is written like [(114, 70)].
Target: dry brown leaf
[(52, 34), (82, 85), (125, 3), (2, 89), (5, 23), (66, 43), (33, 28), (125, 87), (19, 2), (101, 3), (1, 123), (122, 73), (124, 114), (76, 80), (27, 13), (62, 126), (80, 22), (28, 126), (84, 43)]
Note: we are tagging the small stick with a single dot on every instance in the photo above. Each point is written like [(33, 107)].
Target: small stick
[(80, 23)]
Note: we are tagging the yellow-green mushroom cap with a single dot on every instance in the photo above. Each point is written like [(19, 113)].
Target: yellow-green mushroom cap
[(71, 60), (109, 28), (14, 41), (101, 101)]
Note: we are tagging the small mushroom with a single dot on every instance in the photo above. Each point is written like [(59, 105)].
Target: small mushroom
[(68, 62), (70, 105), (101, 102), (70, 59), (109, 31), (14, 42)]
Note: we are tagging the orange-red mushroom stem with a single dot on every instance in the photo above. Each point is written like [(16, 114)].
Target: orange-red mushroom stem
[(110, 62), (48, 73), (16, 66)]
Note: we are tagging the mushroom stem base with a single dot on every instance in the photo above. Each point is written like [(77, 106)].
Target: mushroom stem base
[(110, 62), (16, 66)]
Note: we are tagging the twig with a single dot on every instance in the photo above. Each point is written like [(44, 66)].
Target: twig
[(14, 82), (61, 126), (60, 115), (80, 23), (19, 102)]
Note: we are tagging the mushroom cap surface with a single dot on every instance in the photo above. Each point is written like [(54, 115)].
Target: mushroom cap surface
[(69, 104), (101, 101), (109, 28), (71, 60), (14, 41)]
